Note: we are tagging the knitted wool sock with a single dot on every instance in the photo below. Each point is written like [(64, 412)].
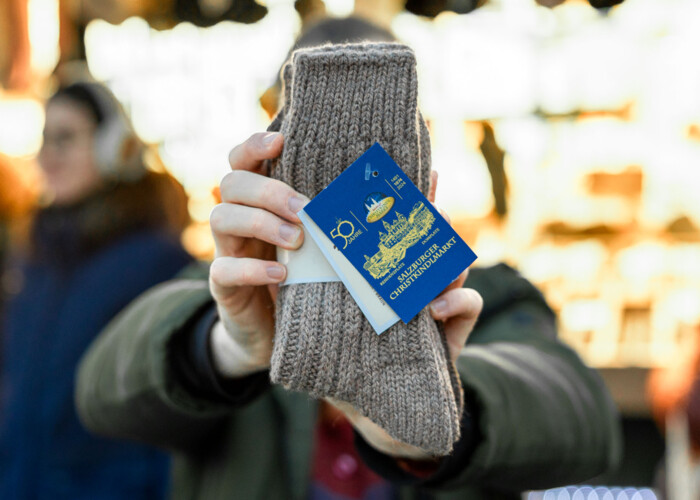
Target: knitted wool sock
[(339, 100)]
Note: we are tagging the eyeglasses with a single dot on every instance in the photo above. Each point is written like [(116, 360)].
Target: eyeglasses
[(63, 140)]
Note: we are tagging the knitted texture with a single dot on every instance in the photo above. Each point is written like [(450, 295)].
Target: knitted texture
[(338, 101)]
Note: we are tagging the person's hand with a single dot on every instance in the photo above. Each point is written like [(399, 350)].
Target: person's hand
[(458, 308), (255, 214)]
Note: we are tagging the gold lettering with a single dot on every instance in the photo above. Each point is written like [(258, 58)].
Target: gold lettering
[(419, 266)]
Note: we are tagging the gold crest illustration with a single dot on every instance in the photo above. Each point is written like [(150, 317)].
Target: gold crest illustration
[(377, 205), (400, 235)]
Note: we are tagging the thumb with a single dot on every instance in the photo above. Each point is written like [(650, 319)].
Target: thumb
[(458, 309)]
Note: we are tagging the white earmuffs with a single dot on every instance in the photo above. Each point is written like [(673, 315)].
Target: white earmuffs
[(118, 151)]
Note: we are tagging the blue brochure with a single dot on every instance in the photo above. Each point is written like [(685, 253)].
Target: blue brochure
[(390, 232)]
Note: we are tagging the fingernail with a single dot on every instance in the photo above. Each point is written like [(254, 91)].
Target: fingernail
[(439, 307), (275, 272), (269, 138), (296, 203), (289, 232)]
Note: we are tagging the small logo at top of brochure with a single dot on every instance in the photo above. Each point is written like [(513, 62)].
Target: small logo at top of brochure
[(377, 205)]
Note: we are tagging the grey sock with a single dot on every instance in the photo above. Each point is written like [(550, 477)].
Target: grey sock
[(339, 100)]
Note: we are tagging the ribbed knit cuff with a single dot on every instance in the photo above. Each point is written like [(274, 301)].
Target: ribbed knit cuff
[(343, 99)]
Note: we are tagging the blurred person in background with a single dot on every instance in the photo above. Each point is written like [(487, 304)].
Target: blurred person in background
[(348, 29), (110, 232), (17, 198), (536, 415)]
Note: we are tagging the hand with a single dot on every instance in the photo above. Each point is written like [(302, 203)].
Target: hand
[(256, 214), (459, 309)]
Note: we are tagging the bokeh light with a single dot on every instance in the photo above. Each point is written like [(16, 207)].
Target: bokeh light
[(596, 113)]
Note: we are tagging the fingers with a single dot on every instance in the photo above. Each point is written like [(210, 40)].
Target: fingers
[(459, 309), (254, 190), (433, 186), (443, 213), (239, 221), (230, 272), (431, 194), (461, 303), (459, 282), (254, 206), (250, 154), (445, 216)]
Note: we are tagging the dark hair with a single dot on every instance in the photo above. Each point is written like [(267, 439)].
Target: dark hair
[(80, 94), (328, 31), (345, 30)]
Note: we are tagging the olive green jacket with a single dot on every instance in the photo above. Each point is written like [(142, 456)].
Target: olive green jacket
[(544, 418)]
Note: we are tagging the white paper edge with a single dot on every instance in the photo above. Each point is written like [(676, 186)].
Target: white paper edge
[(306, 264), (357, 285)]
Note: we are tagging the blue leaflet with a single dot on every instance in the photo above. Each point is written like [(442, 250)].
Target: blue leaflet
[(390, 232)]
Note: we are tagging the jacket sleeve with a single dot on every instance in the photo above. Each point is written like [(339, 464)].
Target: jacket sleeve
[(545, 418), (128, 382)]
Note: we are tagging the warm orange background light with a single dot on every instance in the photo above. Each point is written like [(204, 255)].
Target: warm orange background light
[(597, 116)]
